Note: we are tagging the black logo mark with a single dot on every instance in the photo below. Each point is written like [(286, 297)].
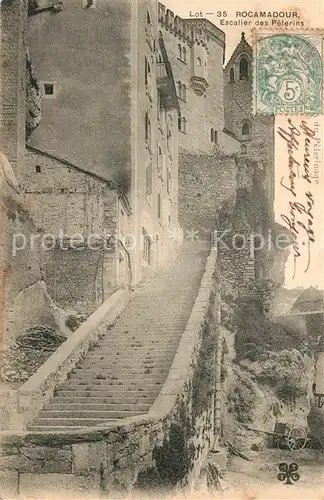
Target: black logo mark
[(288, 473)]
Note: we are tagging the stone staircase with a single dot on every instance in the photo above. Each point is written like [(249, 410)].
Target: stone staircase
[(122, 375)]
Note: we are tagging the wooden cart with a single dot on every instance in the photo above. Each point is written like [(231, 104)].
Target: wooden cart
[(294, 438)]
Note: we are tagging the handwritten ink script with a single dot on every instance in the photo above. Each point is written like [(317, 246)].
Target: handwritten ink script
[(299, 219)]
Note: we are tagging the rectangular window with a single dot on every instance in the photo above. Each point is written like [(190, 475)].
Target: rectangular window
[(48, 89), (147, 247), (147, 128), (159, 207), (169, 183), (149, 179), (160, 162)]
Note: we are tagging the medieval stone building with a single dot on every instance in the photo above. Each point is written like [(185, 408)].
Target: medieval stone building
[(109, 167)]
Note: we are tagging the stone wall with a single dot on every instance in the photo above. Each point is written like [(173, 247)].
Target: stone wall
[(68, 203), (13, 16), (205, 182), (87, 119)]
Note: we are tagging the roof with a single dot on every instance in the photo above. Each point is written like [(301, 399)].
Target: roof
[(309, 299), (242, 46)]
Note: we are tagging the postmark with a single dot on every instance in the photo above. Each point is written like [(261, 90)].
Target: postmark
[(288, 76)]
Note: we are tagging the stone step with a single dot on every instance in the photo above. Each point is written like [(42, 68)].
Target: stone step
[(117, 370), (101, 391), (103, 400), (121, 377), (139, 364), (114, 385), (52, 428), (92, 415), (96, 407), (70, 422)]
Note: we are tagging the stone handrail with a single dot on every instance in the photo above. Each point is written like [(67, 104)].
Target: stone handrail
[(40, 386), (178, 373)]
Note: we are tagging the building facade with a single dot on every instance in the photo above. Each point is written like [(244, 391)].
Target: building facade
[(196, 49), (119, 135)]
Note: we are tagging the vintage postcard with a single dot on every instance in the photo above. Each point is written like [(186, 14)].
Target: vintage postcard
[(161, 249)]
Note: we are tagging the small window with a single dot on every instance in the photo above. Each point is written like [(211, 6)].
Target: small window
[(159, 207), (38, 169), (179, 123), (212, 135), (243, 149), (160, 161), (184, 125), (184, 54), (179, 86), (244, 69), (89, 3), (148, 17), (48, 89), (149, 179), (245, 129), (198, 61), (184, 92), (232, 75), (169, 183), (147, 128), (169, 139), (147, 72), (180, 52), (147, 247)]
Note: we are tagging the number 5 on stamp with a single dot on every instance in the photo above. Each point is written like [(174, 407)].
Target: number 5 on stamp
[(288, 74)]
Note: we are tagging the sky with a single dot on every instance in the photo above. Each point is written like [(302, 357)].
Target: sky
[(311, 12)]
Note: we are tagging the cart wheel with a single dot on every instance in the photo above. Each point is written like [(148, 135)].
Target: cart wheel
[(297, 438)]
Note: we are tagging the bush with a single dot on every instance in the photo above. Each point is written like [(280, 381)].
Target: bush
[(242, 402), (257, 334)]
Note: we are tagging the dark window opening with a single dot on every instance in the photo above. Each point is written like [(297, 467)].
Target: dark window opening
[(147, 128), (38, 169), (198, 61), (184, 54), (48, 88), (243, 149), (148, 18), (232, 75), (147, 247), (179, 123), (159, 207), (149, 179), (245, 129), (180, 52), (244, 69)]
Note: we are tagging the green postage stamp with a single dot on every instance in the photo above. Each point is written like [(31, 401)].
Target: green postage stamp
[(288, 75)]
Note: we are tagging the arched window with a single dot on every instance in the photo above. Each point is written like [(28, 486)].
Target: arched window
[(243, 149), (212, 135), (232, 75), (245, 129), (184, 54), (198, 61), (180, 52), (148, 17), (244, 69), (179, 123), (216, 137)]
